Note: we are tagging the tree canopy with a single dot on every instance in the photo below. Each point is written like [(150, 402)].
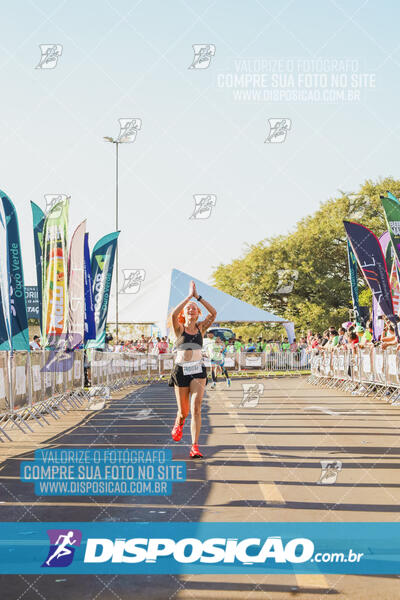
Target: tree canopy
[(316, 249)]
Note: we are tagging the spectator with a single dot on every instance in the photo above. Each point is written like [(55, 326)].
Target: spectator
[(333, 338), (342, 334), (302, 343), (285, 346), (35, 343), (325, 338), (162, 345), (230, 349), (388, 337), (250, 346), (294, 346), (260, 346), (365, 336), (353, 342), (238, 344)]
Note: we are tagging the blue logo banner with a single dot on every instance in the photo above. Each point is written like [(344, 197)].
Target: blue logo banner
[(212, 548)]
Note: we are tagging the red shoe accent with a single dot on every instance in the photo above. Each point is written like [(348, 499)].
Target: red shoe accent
[(195, 452), (177, 430)]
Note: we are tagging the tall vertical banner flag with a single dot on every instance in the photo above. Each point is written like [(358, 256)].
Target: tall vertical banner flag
[(353, 279), (372, 262), (395, 287), (90, 326), (391, 208), (102, 264), (377, 323), (38, 217), (54, 274), (17, 307), (5, 313), (76, 288)]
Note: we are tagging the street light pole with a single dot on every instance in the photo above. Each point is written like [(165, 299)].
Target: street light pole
[(128, 131), (116, 229)]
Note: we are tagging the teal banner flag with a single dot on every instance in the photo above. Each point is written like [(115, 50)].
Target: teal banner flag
[(102, 264), (18, 315)]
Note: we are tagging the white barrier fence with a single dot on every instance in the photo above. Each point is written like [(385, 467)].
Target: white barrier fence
[(38, 384), (368, 371)]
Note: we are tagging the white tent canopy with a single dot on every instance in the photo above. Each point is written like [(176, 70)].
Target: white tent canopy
[(151, 303), (228, 307)]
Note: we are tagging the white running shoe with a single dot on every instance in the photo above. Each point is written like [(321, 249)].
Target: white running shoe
[(228, 383), (213, 386)]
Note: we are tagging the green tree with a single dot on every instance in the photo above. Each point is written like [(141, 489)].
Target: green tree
[(316, 249)]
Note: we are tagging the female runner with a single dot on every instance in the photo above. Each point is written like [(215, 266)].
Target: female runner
[(189, 376)]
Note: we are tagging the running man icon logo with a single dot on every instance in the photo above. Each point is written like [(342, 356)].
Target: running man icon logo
[(329, 471), (203, 54), (132, 280), (52, 199), (278, 129), (128, 129), (50, 53), (203, 205), (62, 547), (251, 394)]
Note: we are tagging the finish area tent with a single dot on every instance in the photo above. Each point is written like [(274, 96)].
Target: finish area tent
[(228, 307)]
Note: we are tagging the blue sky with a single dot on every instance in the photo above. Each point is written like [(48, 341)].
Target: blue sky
[(130, 59)]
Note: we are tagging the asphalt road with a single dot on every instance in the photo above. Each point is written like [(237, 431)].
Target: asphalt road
[(262, 463)]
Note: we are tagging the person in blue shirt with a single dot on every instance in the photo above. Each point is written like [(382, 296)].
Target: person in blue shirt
[(250, 346)]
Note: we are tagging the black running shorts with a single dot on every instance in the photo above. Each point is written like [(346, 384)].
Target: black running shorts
[(179, 379)]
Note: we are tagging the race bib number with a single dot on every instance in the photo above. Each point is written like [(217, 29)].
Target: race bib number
[(192, 368)]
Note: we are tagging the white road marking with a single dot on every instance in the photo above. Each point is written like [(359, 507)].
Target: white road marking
[(322, 409)]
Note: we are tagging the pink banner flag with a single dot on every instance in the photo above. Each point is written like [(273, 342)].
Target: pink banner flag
[(395, 285)]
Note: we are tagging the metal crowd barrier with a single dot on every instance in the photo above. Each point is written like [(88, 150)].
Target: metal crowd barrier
[(369, 371), (42, 384), (37, 385), (116, 370)]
